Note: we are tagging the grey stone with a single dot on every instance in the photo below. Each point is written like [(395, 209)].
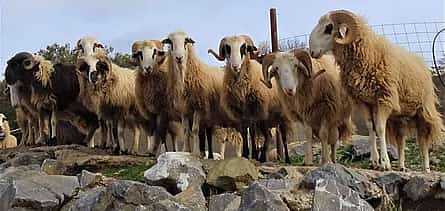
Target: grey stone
[(344, 176), (392, 183), (168, 205), (332, 196), (176, 171), (25, 159), (131, 192), (7, 193), (89, 179), (259, 198), (192, 198), (53, 167), (420, 187), (360, 148), (20, 172), (224, 202), (232, 174), (94, 199), (278, 185), (45, 192)]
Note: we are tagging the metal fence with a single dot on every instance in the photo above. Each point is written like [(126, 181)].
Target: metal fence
[(415, 37)]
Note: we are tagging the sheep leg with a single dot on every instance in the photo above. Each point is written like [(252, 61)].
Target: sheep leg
[(284, 132), (110, 134), (103, 134), (372, 140), (121, 136), (137, 136), (423, 146), (222, 148), (209, 131), (43, 128), (202, 143), (252, 131), (53, 137), (186, 128), (114, 137), (323, 134), (279, 145), (401, 149), (333, 138), (308, 154), (381, 117), (196, 121)]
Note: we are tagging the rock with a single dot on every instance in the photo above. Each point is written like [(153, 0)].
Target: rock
[(45, 192), (25, 159), (420, 187), (441, 192), (89, 179), (7, 193), (330, 195), (176, 171), (193, 198), (224, 202), (286, 189), (93, 199), (344, 176), (259, 198), (299, 200), (168, 205), (278, 185), (392, 183), (20, 172), (131, 192), (232, 174), (53, 167), (360, 148)]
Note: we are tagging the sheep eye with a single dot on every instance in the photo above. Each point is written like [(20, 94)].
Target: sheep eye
[(27, 63), (84, 67), (328, 29), (102, 66), (243, 49), (154, 53), (227, 48)]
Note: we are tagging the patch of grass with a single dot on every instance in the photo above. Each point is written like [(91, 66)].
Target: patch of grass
[(345, 156), (133, 172), (296, 160)]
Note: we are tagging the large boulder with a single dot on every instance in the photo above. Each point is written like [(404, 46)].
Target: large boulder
[(224, 202), (20, 172), (53, 167), (344, 176), (361, 149), (420, 187), (25, 159), (232, 174), (332, 196), (88, 179), (192, 198), (131, 192), (45, 192), (7, 193), (392, 183), (259, 198), (176, 171), (94, 199)]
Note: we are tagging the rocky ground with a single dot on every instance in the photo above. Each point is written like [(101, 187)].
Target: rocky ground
[(76, 178)]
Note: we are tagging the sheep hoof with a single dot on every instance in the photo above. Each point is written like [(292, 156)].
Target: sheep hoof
[(403, 169), (52, 141), (427, 170)]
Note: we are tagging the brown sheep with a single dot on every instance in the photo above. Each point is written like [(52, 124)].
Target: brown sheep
[(310, 91), (385, 79)]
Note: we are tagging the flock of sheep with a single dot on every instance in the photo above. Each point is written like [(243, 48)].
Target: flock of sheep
[(173, 93)]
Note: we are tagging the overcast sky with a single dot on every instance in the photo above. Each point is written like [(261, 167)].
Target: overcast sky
[(29, 25)]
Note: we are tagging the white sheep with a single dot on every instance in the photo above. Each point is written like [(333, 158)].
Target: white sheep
[(310, 91), (9, 140), (384, 79)]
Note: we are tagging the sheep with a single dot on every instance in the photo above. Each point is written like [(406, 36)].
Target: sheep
[(391, 83), (194, 91), (9, 140), (113, 88), (246, 97), (26, 114), (310, 91), (54, 92), (151, 89)]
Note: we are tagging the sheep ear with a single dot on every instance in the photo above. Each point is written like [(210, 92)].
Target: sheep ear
[(343, 29), (166, 41), (345, 25), (251, 49), (189, 40)]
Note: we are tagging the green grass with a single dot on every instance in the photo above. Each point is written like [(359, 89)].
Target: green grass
[(133, 172), (413, 158)]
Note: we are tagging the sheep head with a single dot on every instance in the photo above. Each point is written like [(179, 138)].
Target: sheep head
[(339, 26), (179, 42), (4, 126), (148, 55), (88, 45), (21, 67), (290, 69), (95, 67), (234, 49)]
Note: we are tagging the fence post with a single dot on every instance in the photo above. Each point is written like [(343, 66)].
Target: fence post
[(273, 29)]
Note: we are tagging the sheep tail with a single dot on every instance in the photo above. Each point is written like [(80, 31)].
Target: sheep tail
[(345, 131)]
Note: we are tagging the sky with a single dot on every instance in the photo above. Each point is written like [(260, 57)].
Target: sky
[(30, 25)]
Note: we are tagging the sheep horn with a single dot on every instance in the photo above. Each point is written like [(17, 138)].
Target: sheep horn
[(305, 61), (248, 40), (267, 62), (318, 74), (218, 57), (342, 18)]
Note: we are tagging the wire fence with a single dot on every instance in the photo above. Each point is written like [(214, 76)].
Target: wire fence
[(415, 37)]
